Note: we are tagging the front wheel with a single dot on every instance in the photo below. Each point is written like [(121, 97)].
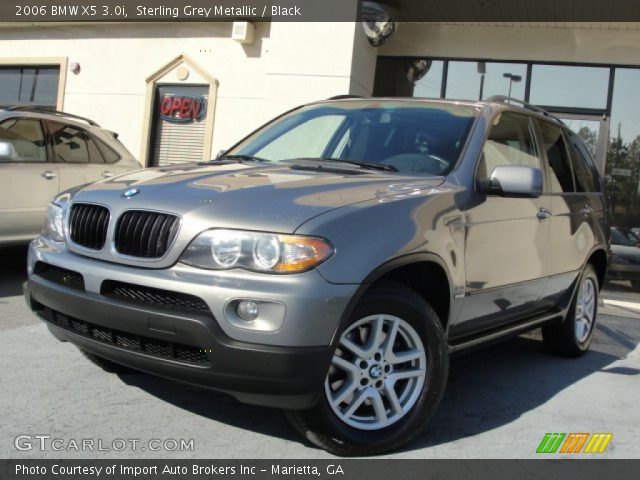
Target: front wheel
[(573, 336), (387, 376)]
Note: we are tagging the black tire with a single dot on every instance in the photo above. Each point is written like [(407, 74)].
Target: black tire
[(107, 365), (322, 427), (561, 339), (635, 285)]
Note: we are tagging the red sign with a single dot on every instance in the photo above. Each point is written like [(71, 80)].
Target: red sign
[(182, 108)]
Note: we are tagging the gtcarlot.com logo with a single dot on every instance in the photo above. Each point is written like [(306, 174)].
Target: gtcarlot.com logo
[(28, 442), (574, 443)]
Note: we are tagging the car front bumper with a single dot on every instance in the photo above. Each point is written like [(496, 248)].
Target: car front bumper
[(282, 369)]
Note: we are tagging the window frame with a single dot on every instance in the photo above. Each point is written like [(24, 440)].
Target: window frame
[(546, 158), (536, 140), (49, 158)]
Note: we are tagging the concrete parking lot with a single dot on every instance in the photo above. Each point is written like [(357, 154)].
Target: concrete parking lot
[(499, 404)]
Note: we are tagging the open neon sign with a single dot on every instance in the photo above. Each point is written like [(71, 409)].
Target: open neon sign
[(182, 108)]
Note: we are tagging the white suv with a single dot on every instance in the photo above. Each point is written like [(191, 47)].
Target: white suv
[(45, 152)]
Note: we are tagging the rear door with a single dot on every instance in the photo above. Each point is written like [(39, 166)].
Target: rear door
[(576, 205), (506, 246), (28, 180)]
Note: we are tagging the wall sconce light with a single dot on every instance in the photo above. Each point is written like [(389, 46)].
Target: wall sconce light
[(74, 67)]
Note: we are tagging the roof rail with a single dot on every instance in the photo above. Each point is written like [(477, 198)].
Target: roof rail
[(530, 106), (344, 97), (37, 109)]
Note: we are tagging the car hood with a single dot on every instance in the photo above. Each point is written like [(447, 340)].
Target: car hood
[(275, 198)]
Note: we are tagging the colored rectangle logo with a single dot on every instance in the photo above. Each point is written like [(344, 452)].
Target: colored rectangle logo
[(576, 442)]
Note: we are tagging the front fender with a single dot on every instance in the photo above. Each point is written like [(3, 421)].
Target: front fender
[(369, 235)]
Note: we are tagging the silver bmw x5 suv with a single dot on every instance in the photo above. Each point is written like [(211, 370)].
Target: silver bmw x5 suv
[(331, 262)]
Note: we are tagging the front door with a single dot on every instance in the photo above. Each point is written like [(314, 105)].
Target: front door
[(28, 180), (506, 246)]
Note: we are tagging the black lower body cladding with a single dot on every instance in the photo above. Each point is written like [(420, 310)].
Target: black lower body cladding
[(188, 347)]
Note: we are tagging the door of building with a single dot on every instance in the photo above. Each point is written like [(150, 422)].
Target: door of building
[(178, 124)]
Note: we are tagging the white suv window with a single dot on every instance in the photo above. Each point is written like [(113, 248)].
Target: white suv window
[(25, 140), (69, 143)]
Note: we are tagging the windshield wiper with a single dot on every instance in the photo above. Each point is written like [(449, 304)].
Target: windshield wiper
[(369, 165), (242, 158)]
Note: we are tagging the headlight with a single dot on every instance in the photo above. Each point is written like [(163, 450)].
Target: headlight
[(262, 252), (54, 223)]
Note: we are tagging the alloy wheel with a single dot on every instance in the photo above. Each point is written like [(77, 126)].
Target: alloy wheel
[(377, 372), (585, 309)]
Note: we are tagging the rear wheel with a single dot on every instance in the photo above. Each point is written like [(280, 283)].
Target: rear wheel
[(386, 378), (573, 336)]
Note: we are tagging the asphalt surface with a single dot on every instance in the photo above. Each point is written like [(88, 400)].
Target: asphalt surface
[(499, 403)]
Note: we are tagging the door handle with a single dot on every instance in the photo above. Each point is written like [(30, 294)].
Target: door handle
[(107, 174), (49, 175), (543, 213)]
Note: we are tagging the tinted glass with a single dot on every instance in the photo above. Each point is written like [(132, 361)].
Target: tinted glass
[(622, 169), (430, 85), (109, 154), (421, 138), (569, 86), (556, 149), (69, 143), (464, 80), (24, 141), (619, 238), (29, 86), (583, 169), (95, 156), (510, 142)]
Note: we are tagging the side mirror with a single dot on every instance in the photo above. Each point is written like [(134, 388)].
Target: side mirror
[(7, 151), (221, 153), (513, 181)]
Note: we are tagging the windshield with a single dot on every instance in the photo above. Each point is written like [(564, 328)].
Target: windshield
[(424, 138), (619, 238)]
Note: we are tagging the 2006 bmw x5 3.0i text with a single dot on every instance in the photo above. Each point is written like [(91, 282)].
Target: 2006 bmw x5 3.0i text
[(331, 261)]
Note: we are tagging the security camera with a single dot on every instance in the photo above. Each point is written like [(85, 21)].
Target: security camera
[(377, 22)]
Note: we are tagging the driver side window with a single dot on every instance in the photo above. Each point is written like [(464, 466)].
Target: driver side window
[(510, 142)]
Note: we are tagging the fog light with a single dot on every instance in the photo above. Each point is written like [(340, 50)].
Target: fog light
[(247, 310)]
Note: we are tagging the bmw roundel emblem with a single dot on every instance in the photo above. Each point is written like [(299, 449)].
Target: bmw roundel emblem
[(131, 193)]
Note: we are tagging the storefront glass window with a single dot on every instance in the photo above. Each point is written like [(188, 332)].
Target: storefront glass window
[(29, 86), (569, 86), (464, 80), (430, 85), (622, 172)]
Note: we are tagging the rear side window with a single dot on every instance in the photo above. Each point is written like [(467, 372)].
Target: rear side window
[(109, 154), (69, 143), (510, 142), (558, 156), (583, 167), (23, 140), (95, 156)]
